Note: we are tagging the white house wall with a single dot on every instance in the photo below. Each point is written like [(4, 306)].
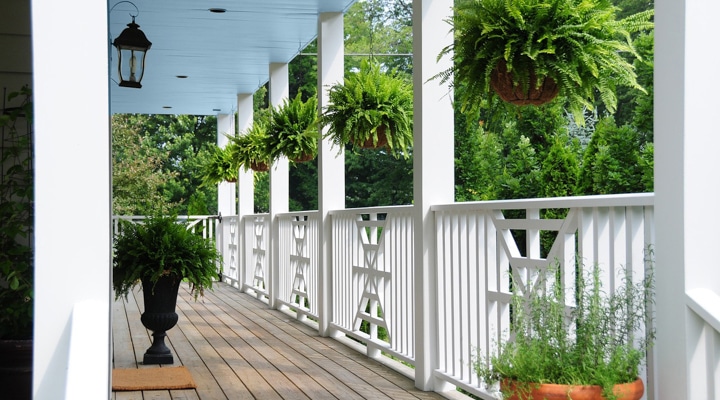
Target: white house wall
[(72, 180)]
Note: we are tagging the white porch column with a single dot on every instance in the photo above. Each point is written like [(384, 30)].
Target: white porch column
[(331, 165), (246, 184), (246, 199), (279, 180), (72, 261), (226, 190), (687, 191), (433, 171)]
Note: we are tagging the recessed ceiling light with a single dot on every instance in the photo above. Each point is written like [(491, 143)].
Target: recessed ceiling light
[(217, 10), (181, 76)]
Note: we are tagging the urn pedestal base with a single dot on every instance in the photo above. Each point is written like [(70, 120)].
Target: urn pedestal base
[(158, 353), (159, 316)]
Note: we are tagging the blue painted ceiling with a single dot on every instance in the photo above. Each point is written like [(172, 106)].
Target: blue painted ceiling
[(222, 54)]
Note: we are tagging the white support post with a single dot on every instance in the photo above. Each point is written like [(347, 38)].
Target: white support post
[(246, 186), (72, 262), (279, 181), (686, 143), (433, 151), (331, 165), (227, 191)]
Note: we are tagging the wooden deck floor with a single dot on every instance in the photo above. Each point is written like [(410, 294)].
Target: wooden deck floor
[(236, 347)]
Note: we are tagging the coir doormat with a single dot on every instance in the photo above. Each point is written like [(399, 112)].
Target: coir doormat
[(152, 379)]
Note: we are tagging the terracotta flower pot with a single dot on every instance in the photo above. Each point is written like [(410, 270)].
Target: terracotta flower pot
[(502, 83), (522, 391)]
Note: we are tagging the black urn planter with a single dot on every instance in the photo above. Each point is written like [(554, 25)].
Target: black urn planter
[(160, 299), (16, 357)]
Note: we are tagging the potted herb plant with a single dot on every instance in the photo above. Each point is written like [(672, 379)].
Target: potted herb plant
[(371, 109), (293, 130), (219, 166), (251, 150), (529, 51), (160, 252), (16, 256), (592, 350)]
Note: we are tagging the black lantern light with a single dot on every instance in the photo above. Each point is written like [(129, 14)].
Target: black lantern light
[(132, 46)]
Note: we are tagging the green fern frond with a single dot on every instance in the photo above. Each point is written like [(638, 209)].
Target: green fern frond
[(366, 101), (571, 41), (294, 131)]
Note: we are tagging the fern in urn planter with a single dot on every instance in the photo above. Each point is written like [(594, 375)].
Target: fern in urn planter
[(160, 252), (529, 51), (371, 109)]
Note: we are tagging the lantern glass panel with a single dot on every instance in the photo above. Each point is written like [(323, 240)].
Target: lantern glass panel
[(131, 67)]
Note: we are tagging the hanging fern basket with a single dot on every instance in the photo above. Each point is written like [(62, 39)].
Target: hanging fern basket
[(502, 83), (382, 140)]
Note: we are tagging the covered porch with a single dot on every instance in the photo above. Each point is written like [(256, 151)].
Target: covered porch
[(72, 106)]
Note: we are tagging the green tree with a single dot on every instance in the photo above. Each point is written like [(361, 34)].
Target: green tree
[(137, 173), (478, 161), (611, 163), (174, 147), (558, 174), (376, 178)]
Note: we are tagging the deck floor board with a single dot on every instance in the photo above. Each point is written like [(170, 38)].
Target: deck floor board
[(236, 347)]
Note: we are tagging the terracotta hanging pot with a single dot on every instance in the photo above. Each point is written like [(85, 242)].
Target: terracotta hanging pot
[(502, 83), (382, 140), (303, 158), (523, 391), (259, 166)]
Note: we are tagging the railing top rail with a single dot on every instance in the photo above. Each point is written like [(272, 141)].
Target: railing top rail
[(371, 210), (181, 217), (706, 304), (296, 213), (613, 200), (255, 215)]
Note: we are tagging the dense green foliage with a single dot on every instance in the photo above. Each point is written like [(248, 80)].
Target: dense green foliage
[(603, 348), (161, 246), (218, 166), (157, 161), (370, 102), (250, 150), (294, 131), (579, 44), (16, 218)]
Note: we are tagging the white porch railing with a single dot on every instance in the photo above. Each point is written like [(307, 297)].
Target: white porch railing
[(204, 224), (372, 270), (372, 278), (704, 332), (477, 252)]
